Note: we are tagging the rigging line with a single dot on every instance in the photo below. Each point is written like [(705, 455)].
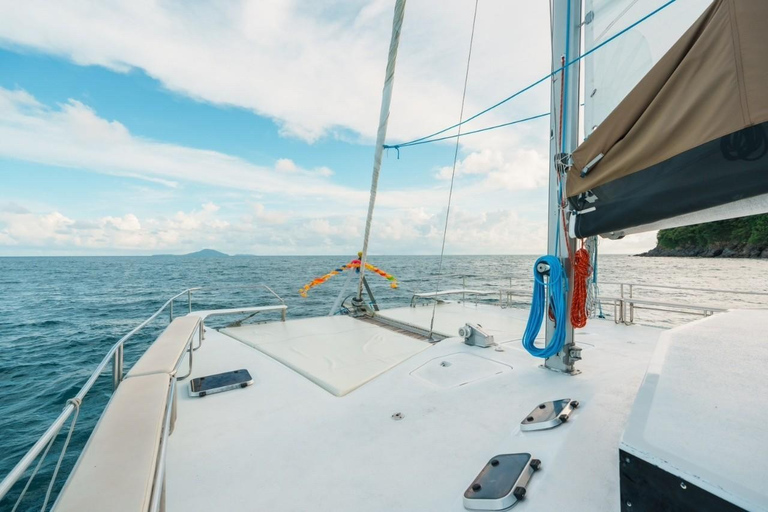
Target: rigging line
[(621, 15), (76, 402), (386, 99), (453, 170), (539, 81), (488, 128)]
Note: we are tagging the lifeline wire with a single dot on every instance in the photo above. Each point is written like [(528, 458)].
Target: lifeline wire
[(453, 171), (76, 403), (534, 84)]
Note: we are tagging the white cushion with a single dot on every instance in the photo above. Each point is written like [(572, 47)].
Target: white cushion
[(164, 354), (116, 470), (337, 353)]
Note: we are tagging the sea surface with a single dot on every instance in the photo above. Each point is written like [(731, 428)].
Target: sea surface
[(59, 316)]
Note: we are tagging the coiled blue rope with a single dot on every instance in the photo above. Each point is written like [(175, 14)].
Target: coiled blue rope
[(555, 289)]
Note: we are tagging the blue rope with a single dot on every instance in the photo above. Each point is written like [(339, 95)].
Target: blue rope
[(555, 290), (423, 140), (416, 143)]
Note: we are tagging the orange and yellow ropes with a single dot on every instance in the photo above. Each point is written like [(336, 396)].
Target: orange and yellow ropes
[(354, 264), (582, 270)]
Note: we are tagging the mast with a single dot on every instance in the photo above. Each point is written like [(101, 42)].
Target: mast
[(566, 39), (381, 135)]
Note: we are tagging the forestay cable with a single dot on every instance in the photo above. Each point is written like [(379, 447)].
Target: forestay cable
[(386, 100), (453, 170)]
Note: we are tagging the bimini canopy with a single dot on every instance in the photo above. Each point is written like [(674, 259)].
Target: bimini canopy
[(690, 137)]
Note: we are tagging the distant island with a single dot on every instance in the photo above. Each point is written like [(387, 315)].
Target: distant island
[(746, 237), (205, 253)]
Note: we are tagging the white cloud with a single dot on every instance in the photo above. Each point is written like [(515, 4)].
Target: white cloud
[(75, 136), (106, 234), (288, 166), (265, 233), (256, 230), (313, 67), (511, 169), (316, 69)]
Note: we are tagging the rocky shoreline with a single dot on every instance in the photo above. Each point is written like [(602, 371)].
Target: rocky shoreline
[(719, 251)]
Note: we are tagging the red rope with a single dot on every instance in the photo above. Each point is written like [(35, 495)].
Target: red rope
[(581, 272)]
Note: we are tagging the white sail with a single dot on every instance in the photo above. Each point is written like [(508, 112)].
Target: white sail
[(611, 72)]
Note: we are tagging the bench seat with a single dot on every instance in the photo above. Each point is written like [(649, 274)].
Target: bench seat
[(116, 469), (164, 354), (231, 311)]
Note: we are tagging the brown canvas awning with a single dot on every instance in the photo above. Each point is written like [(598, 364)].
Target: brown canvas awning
[(694, 122)]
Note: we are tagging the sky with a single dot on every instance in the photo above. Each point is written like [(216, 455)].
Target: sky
[(162, 126)]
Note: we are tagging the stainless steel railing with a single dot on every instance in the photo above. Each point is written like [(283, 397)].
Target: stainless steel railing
[(625, 303), (115, 356)]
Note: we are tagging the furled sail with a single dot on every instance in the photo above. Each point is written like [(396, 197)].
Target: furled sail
[(613, 71), (689, 142)]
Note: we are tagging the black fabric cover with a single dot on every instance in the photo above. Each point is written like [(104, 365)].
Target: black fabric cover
[(718, 172)]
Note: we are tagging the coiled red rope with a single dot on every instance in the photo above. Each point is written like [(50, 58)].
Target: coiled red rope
[(582, 270)]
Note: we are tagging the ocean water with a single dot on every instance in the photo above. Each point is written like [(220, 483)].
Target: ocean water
[(59, 316)]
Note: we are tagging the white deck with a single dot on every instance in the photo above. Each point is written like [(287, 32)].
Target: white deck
[(700, 413), (286, 444)]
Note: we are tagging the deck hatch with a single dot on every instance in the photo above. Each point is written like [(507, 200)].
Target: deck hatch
[(458, 369), (501, 483), (338, 353)]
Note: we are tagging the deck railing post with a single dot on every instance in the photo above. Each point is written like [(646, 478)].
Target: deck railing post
[(171, 312), (189, 300), (463, 286), (117, 367)]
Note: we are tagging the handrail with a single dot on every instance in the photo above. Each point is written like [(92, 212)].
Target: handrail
[(242, 287), (158, 488), (626, 298), (427, 295), (115, 353), (462, 291), (684, 288)]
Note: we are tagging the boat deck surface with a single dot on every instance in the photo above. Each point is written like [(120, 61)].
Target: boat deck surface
[(287, 444)]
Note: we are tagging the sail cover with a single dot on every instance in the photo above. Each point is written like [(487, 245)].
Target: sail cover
[(691, 136)]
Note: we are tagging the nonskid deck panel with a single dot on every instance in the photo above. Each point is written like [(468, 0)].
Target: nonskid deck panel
[(285, 444), (338, 353)]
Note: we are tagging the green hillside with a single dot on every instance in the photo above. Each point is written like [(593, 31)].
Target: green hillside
[(744, 237)]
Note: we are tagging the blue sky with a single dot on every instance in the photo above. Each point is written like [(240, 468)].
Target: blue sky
[(146, 127)]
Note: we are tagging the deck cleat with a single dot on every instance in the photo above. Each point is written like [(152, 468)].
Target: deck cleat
[(548, 415)]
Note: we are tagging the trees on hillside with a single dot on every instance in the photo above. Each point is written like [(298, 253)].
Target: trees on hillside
[(751, 230)]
